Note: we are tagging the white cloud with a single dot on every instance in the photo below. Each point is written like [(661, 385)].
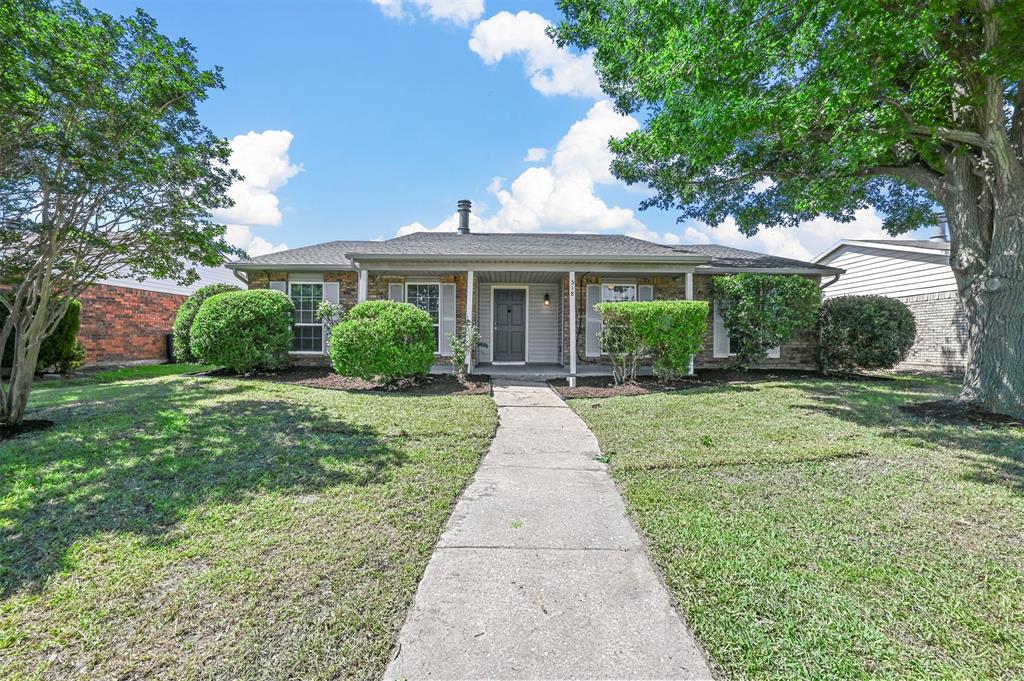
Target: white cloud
[(494, 186), (561, 196), (536, 154), (460, 12), (803, 242), (551, 70), (262, 159)]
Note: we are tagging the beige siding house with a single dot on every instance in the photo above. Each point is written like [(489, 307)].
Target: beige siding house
[(918, 273), (532, 296)]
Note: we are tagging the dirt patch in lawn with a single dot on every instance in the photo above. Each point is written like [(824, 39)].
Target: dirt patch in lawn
[(324, 378), (603, 386), (26, 426), (948, 411)]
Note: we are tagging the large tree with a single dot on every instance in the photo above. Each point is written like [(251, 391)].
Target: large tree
[(105, 167), (842, 104)]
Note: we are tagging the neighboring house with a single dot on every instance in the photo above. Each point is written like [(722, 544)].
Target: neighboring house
[(531, 295), (918, 273), (124, 320)]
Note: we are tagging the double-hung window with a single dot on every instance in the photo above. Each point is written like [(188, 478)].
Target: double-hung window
[(307, 332), (427, 297), (618, 293)]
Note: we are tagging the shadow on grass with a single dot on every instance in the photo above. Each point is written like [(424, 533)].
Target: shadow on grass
[(136, 457), (994, 455)]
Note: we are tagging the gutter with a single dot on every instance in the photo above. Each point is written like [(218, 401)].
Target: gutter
[(465, 257)]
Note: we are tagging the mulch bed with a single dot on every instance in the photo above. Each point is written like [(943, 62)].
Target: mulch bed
[(954, 413), (26, 426), (324, 378), (602, 386)]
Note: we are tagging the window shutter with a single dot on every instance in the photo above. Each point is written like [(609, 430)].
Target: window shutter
[(593, 331), (775, 352), (645, 293), (396, 292), (447, 317), (279, 286), (332, 294), (721, 347)]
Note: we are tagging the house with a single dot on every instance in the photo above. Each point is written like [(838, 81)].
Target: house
[(917, 272), (532, 296), (128, 321)]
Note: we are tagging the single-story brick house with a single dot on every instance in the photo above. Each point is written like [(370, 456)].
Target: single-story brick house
[(127, 321), (531, 295), (917, 272)]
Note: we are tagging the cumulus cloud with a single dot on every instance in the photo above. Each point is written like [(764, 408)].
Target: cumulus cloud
[(551, 70), (561, 196), (803, 243), (460, 12), (536, 154), (262, 159)]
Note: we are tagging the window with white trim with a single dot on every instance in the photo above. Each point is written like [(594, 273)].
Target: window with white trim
[(307, 331), (427, 297), (618, 293)]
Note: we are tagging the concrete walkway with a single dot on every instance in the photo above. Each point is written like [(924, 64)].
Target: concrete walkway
[(539, 574)]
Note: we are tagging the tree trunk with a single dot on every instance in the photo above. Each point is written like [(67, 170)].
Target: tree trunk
[(987, 257)]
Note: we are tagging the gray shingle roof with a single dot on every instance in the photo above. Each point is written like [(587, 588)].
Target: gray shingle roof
[(515, 245), (726, 256), (500, 245)]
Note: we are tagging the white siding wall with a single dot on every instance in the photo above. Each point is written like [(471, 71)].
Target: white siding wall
[(544, 326), (876, 271)]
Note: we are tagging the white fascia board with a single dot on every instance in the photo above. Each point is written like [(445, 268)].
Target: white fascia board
[(288, 267), (770, 270), (523, 266), (463, 259)]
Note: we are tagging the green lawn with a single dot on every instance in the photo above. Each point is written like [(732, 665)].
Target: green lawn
[(213, 528), (808, 529)]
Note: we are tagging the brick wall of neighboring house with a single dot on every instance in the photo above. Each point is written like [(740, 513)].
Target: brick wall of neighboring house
[(122, 324), (798, 354), (941, 342)]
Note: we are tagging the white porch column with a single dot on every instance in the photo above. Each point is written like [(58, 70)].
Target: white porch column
[(364, 285), (469, 315), (572, 329), (689, 296)]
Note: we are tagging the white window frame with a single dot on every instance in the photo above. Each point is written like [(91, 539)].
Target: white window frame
[(437, 325), (526, 322), (323, 341), (607, 285)]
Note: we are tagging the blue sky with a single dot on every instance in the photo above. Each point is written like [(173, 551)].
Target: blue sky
[(365, 119)]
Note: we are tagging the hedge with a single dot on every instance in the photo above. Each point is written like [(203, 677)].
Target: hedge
[(864, 332), (61, 349), (669, 331), (187, 314), (383, 340), (244, 330)]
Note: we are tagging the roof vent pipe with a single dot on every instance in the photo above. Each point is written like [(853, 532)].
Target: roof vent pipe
[(464, 206), (939, 230)]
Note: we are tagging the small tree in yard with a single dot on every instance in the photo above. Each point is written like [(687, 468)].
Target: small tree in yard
[(773, 112), (463, 345), (105, 167), (383, 340), (763, 311)]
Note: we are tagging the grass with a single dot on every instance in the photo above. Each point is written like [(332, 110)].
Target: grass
[(809, 529), (192, 528)]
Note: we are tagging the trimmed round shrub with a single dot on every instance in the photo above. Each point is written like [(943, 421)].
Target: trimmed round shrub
[(864, 332), (61, 349), (669, 331), (383, 340), (187, 314), (244, 330)]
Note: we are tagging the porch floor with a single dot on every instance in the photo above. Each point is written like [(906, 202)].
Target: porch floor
[(537, 371)]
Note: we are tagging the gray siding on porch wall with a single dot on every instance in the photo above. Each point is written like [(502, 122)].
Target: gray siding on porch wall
[(543, 322)]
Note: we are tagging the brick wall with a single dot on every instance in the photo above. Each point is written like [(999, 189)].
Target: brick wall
[(941, 341), (798, 354), (125, 324)]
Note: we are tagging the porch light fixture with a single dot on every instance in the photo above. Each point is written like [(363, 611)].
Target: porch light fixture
[(547, 299)]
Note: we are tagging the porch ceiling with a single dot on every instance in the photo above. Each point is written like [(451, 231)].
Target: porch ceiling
[(488, 277)]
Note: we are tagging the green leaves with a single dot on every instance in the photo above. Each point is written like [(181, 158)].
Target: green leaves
[(764, 311)]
